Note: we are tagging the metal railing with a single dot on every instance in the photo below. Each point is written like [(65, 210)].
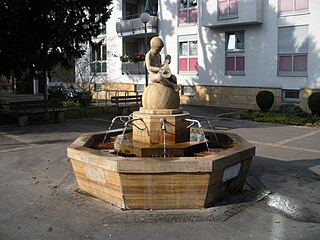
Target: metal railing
[(132, 25), (133, 67)]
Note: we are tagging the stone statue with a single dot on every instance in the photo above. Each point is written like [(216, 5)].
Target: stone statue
[(160, 73), (163, 93)]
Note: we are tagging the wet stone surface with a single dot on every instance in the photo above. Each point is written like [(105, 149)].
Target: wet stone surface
[(253, 191)]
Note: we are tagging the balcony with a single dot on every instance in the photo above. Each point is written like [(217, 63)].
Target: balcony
[(133, 67), (132, 25), (228, 14)]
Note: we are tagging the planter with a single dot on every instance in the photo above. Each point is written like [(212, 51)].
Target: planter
[(133, 67)]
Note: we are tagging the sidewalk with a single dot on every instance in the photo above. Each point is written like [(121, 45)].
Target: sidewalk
[(37, 198)]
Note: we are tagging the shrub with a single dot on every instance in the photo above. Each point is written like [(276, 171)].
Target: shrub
[(264, 100), (85, 99), (314, 103), (273, 117), (70, 104), (290, 109)]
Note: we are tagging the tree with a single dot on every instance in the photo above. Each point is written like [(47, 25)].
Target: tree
[(36, 35), (83, 76)]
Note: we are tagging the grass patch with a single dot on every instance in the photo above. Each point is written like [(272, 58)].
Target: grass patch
[(301, 119)]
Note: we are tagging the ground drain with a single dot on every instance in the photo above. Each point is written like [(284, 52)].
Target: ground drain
[(253, 192)]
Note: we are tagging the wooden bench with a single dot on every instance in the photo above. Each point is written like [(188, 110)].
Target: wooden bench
[(125, 103), (23, 109)]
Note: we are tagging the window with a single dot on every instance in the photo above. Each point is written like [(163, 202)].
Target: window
[(139, 88), (103, 29), (98, 58), (293, 51), (188, 11), (293, 6), (102, 26), (188, 56), (97, 87), (235, 58), (227, 9), (290, 95)]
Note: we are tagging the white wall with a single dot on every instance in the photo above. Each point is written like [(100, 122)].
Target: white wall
[(261, 48), (249, 12)]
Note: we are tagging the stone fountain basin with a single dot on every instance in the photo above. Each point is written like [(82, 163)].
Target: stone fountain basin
[(160, 183)]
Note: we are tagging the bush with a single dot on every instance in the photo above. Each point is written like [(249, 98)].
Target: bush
[(291, 109), (70, 104), (275, 117), (264, 100), (85, 99), (314, 103)]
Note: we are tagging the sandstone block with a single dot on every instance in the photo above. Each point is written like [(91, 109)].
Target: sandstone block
[(158, 96)]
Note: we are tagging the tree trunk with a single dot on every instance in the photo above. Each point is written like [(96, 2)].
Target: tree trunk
[(45, 85)]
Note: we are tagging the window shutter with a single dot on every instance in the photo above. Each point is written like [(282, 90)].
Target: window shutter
[(293, 39)]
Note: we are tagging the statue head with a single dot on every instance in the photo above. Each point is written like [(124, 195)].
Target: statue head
[(156, 44)]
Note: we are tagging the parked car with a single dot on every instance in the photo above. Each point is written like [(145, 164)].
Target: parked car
[(63, 91)]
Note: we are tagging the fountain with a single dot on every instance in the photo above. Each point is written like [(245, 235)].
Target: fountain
[(158, 160)]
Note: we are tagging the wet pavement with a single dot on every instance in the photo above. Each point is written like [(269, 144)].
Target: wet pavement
[(38, 198)]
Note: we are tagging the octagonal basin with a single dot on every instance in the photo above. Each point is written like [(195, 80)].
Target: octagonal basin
[(200, 179)]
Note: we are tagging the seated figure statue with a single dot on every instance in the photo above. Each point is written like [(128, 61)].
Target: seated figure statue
[(160, 73)]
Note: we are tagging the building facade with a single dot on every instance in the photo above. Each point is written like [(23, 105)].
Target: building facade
[(223, 51)]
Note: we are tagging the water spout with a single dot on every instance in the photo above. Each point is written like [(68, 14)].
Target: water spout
[(130, 121), (163, 122), (202, 135), (121, 118), (208, 122), (205, 118)]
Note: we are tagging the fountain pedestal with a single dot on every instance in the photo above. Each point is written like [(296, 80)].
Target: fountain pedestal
[(176, 126)]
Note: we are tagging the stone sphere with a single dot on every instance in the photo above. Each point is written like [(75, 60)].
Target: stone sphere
[(158, 96)]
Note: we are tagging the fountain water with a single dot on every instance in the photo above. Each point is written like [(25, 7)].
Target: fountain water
[(164, 130), (112, 122), (202, 135)]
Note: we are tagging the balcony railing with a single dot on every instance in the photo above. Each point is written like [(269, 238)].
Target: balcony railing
[(133, 67), (244, 12), (132, 25)]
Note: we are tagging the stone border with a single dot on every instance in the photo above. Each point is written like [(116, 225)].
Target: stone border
[(253, 192)]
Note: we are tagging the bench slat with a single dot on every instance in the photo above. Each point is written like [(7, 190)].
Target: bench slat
[(27, 105), (124, 103), (23, 109), (128, 96), (126, 99)]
